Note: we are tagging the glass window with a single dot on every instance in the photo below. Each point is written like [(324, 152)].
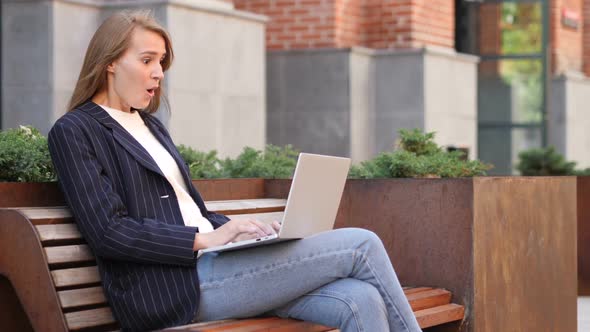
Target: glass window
[(510, 28), (508, 37), (500, 146), (510, 91)]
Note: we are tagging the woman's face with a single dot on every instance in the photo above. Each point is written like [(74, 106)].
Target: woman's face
[(137, 74)]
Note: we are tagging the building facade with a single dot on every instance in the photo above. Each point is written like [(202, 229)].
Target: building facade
[(495, 77), (333, 76)]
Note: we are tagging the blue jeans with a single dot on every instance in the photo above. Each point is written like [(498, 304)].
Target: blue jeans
[(341, 278)]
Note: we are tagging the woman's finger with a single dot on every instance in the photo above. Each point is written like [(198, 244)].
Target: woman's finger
[(276, 225), (255, 227), (245, 236), (268, 230), (246, 227)]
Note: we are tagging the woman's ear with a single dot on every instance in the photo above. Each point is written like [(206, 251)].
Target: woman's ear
[(111, 68)]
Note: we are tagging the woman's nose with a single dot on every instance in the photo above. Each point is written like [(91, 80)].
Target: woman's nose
[(158, 73)]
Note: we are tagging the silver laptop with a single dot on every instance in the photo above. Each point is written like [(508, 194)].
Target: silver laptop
[(312, 204)]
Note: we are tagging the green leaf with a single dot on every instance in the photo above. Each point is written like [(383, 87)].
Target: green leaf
[(418, 156), (24, 156)]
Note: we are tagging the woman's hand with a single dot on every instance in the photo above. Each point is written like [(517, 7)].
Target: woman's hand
[(234, 230), (275, 227)]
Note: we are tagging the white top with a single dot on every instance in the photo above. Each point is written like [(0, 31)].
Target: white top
[(134, 124)]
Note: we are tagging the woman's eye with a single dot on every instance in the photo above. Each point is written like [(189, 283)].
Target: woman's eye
[(146, 61)]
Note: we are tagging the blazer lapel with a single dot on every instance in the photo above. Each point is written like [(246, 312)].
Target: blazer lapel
[(167, 143), (122, 136)]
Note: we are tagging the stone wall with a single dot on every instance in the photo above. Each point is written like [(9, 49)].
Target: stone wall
[(568, 119)]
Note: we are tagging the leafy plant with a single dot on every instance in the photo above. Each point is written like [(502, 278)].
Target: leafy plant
[(418, 156), (274, 162), (24, 156), (203, 165), (417, 142), (545, 162)]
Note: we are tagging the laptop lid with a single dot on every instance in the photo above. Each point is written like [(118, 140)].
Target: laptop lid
[(315, 195)]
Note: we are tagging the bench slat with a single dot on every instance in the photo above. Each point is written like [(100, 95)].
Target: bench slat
[(429, 299), (58, 233), (411, 290), (89, 318), (249, 205), (68, 254), (47, 215), (439, 315), (254, 324), (61, 214), (75, 276), (201, 324), (267, 217), (279, 325), (61, 233), (81, 297), (255, 203)]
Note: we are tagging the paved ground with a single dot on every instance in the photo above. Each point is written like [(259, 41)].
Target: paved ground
[(583, 313)]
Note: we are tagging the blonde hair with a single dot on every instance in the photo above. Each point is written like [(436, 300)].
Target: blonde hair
[(109, 42)]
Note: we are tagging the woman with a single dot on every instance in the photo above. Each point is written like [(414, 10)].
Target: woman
[(131, 195)]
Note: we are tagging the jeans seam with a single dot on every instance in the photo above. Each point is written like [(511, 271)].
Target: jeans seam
[(351, 305), (274, 267), (402, 319)]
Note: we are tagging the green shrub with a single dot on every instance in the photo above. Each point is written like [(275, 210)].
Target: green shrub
[(274, 163), (24, 156), (418, 156), (546, 162), (417, 142), (203, 165)]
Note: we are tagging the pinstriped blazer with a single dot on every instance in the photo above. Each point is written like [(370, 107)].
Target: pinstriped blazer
[(128, 213)]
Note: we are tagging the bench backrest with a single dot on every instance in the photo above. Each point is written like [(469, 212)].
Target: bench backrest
[(72, 266)]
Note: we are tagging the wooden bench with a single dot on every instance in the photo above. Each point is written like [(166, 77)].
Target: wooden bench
[(55, 277)]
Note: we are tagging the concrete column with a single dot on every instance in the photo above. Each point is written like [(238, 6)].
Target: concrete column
[(43, 46), (450, 97), (568, 120), (217, 85), (73, 26), (27, 71), (352, 102), (309, 100), (433, 89)]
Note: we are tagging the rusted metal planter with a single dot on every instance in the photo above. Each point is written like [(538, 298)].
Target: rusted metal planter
[(14, 194), (505, 247), (18, 194), (584, 235)]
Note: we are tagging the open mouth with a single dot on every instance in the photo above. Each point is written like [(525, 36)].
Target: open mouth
[(151, 92)]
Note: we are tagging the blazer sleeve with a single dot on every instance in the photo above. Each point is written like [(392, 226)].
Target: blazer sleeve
[(100, 212), (216, 219)]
